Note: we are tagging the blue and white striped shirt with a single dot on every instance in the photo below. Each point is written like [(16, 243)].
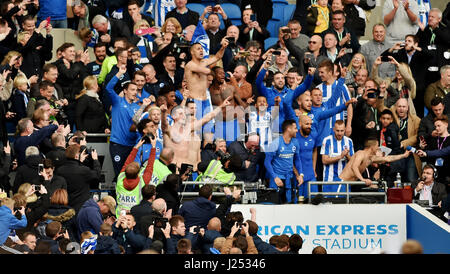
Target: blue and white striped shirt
[(332, 147), (327, 91), (261, 125)]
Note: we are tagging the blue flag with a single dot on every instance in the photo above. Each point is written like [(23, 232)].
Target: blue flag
[(200, 36)]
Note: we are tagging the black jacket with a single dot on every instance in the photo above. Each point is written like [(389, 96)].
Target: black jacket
[(57, 155), (258, 36), (256, 158), (192, 17), (79, 178), (426, 127), (34, 212), (352, 19), (362, 114), (262, 8), (63, 214), (144, 208), (106, 245), (438, 192), (391, 137), (35, 52), (90, 115), (71, 80), (170, 196), (28, 172), (215, 39), (5, 163)]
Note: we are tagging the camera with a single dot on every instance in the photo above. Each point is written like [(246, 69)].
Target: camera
[(61, 117), (276, 52), (148, 137), (253, 17), (197, 229), (160, 222), (385, 58), (40, 168), (286, 31), (223, 157), (371, 95), (309, 56), (232, 41), (37, 188)]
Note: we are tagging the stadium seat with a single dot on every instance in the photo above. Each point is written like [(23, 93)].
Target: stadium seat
[(285, 2), (208, 3), (270, 42), (232, 10), (273, 26), (198, 8), (288, 12)]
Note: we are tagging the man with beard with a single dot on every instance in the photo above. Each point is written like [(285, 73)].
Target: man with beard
[(95, 67), (307, 136)]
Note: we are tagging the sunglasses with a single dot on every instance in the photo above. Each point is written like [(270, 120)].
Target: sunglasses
[(312, 42)]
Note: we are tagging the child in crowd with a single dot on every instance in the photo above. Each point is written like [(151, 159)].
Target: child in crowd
[(318, 17)]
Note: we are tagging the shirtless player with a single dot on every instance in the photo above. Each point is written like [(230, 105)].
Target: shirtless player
[(364, 158), (182, 138)]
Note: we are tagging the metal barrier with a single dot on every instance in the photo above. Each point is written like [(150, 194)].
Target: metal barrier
[(215, 193), (347, 193)]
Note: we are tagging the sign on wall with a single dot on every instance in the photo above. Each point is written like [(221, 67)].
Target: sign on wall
[(340, 229)]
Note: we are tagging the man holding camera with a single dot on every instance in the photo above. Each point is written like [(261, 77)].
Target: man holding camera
[(148, 130), (79, 177), (132, 178)]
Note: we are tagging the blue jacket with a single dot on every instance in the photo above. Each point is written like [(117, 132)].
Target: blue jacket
[(89, 218), (22, 142), (207, 241), (9, 222), (197, 212), (263, 247), (56, 9), (122, 117), (438, 152), (106, 245)]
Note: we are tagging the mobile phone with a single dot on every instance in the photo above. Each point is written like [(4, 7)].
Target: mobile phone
[(215, 9), (186, 168), (277, 52), (48, 19), (385, 58), (371, 95), (37, 188), (231, 39), (123, 212), (402, 45), (40, 168), (309, 55), (253, 17), (286, 30), (348, 51)]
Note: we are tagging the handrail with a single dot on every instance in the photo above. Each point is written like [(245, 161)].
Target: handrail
[(347, 193)]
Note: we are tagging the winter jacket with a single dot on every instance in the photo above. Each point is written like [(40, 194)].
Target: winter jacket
[(79, 178), (170, 196), (65, 215), (106, 245), (28, 172), (197, 212), (90, 115), (89, 218), (207, 241), (8, 222)]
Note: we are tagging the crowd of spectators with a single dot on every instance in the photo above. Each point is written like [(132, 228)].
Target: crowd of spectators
[(185, 96)]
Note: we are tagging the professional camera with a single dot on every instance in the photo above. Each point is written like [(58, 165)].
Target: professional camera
[(61, 117), (223, 157)]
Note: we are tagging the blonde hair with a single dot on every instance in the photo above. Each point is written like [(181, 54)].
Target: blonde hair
[(138, 24), (219, 242), (84, 33), (88, 83), (23, 189), (8, 202), (363, 62), (20, 80), (9, 56), (21, 36), (174, 21)]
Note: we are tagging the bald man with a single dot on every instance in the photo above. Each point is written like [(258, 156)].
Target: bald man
[(307, 135), (408, 124), (209, 234)]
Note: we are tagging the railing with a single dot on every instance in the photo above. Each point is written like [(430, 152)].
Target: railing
[(215, 193), (347, 193)]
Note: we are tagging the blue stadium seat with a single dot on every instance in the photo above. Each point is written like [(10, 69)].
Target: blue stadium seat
[(270, 42), (198, 8), (278, 11), (280, 2), (208, 3), (273, 26), (232, 10), (288, 12)]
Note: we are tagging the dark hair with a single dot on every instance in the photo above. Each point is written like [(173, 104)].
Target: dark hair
[(42, 247), (252, 227), (327, 63), (140, 73), (47, 67), (241, 243), (48, 163), (133, 2), (205, 191), (175, 220), (52, 229), (436, 101), (148, 191), (63, 244), (100, 44), (183, 246), (65, 46), (287, 123), (72, 151), (45, 84), (172, 181), (142, 124), (319, 250), (388, 112), (127, 84), (120, 51), (338, 12), (295, 242), (414, 37)]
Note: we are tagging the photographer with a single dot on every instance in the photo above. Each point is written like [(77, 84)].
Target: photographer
[(251, 156), (178, 232), (221, 169), (148, 130), (365, 115), (8, 220), (127, 234), (132, 178), (79, 178)]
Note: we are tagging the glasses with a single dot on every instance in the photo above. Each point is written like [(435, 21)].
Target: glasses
[(312, 42)]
